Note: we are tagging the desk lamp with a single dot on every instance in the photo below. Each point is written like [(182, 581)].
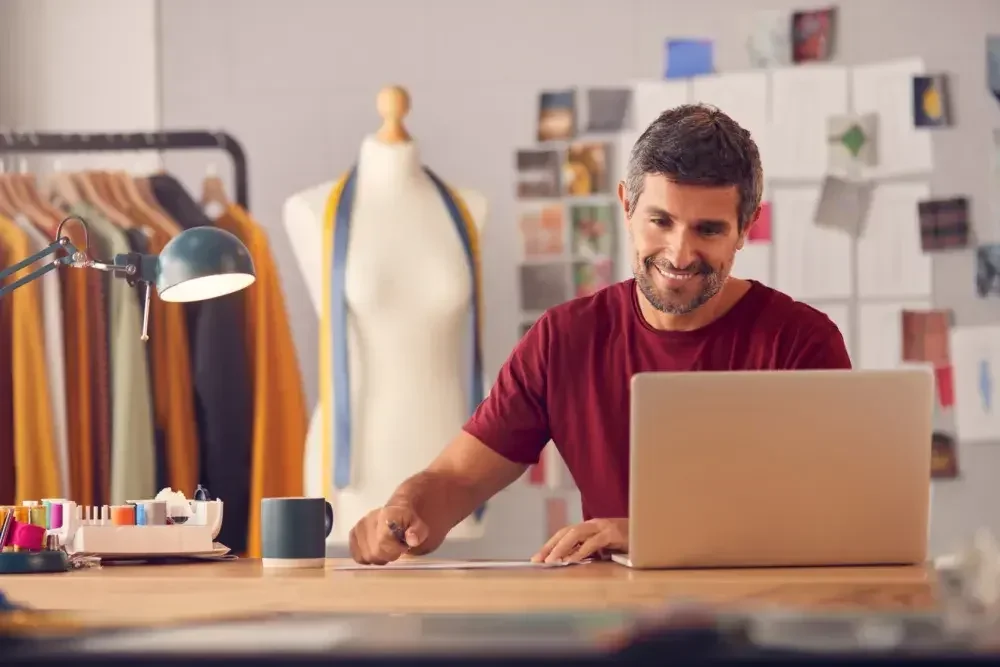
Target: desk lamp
[(199, 263)]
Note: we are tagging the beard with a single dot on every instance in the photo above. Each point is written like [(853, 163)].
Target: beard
[(704, 283)]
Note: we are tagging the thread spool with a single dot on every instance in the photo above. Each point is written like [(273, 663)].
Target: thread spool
[(28, 537), (123, 515)]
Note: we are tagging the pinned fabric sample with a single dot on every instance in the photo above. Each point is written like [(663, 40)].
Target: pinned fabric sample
[(813, 34), (993, 65), (557, 115), (852, 143), (931, 102), (760, 231), (689, 57), (608, 109), (944, 381), (925, 336), (770, 41), (944, 456), (944, 224), (988, 270), (843, 205)]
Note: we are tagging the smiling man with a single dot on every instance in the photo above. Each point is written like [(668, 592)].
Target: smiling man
[(691, 193)]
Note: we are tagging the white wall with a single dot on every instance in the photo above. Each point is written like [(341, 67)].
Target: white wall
[(79, 65)]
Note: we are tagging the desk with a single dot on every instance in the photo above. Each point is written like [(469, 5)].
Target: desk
[(138, 593)]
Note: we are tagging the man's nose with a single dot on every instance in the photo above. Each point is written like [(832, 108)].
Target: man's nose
[(682, 250)]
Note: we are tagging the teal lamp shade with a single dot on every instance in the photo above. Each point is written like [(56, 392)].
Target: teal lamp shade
[(203, 263)]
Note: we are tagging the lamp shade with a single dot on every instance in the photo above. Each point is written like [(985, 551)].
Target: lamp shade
[(203, 263)]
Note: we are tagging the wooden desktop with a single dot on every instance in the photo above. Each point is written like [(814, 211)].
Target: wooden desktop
[(147, 594)]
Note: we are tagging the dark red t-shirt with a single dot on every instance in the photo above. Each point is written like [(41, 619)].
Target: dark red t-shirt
[(568, 378)]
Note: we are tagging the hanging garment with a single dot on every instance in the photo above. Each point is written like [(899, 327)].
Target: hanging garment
[(55, 352), (100, 383), (334, 371), (173, 396), (35, 459), (222, 389), (8, 488), (132, 452), (78, 290), (280, 419)]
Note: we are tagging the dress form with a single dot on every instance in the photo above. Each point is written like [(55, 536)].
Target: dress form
[(408, 292)]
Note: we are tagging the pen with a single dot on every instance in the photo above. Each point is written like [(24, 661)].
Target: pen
[(397, 532)]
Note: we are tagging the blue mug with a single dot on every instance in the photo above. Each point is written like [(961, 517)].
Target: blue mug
[(294, 531)]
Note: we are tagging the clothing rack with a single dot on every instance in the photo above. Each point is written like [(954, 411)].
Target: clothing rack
[(43, 142)]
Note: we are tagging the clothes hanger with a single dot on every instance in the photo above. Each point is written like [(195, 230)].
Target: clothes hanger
[(129, 192), (87, 182), (214, 200), (61, 185), (163, 220), (23, 206), (119, 213), (7, 208)]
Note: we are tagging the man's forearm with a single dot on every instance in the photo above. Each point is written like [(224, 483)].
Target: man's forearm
[(439, 500)]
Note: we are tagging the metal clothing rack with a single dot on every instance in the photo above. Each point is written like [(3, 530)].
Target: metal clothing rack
[(44, 142)]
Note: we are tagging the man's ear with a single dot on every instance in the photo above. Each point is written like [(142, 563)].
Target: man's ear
[(623, 199), (746, 230)]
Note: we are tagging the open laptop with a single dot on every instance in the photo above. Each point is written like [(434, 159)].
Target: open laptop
[(780, 468)]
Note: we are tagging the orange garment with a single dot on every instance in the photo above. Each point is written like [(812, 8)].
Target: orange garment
[(35, 460), (173, 387), (78, 289), (280, 418)]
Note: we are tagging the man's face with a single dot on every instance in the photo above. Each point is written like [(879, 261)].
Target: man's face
[(685, 239)]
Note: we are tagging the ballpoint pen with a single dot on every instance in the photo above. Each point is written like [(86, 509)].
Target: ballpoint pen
[(397, 532)]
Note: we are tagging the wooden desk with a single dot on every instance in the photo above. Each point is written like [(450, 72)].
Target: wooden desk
[(179, 592)]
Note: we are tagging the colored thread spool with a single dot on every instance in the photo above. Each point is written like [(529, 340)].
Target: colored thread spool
[(123, 515), (36, 515), (28, 537), (140, 514), (21, 515), (55, 516)]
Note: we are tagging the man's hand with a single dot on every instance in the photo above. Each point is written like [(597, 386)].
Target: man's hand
[(585, 540), (373, 541)]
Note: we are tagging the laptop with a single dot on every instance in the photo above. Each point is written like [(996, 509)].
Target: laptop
[(780, 468)]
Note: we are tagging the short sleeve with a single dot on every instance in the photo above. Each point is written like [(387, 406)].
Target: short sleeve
[(513, 420), (824, 349)]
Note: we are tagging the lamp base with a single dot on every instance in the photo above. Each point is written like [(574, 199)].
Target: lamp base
[(33, 562)]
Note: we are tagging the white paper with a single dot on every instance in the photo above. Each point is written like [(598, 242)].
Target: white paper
[(651, 98), (887, 90), (975, 353), (741, 96), (802, 97), (753, 262), (891, 262), (840, 315), (880, 334), (810, 262), (459, 565)]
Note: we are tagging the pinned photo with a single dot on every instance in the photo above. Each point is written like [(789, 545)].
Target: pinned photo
[(543, 231), (557, 115), (608, 109), (813, 34), (944, 224), (544, 286), (585, 171), (931, 101), (537, 174), (593, 226)]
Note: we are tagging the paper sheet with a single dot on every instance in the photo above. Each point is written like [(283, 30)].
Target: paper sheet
[(743, 97), (651, 98), (887, 90), (891, 261), (880, 334), (810, 262), (459, 565), (975, 353), (840, 314), (802, 98)]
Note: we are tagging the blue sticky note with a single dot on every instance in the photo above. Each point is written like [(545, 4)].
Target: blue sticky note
[(688, 57)]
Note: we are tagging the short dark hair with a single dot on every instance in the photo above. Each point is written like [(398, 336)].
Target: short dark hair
[(696, 144)]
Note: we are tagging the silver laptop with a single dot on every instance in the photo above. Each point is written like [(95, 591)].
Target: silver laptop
[(780, 468)]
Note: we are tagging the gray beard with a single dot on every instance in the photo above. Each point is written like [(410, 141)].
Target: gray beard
[(712, 285)]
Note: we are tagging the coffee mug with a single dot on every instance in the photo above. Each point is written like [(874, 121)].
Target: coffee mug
[(293, 531)]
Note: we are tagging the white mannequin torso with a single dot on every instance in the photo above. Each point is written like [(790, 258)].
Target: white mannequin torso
[(408, 293)]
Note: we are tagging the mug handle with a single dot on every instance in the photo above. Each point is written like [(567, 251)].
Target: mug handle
[(328, 518)]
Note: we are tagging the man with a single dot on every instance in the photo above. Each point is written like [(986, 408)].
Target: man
[(692, 191)]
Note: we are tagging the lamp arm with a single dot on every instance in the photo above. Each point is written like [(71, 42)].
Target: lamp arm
[(133, 267), (72, 256)]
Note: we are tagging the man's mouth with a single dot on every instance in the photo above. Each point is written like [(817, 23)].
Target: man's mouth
[(676, 276)]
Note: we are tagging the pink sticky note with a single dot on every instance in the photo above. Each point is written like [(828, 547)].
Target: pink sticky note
[(760, 232)]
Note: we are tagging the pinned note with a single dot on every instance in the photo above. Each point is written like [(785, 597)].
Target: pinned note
[(976, 353), (689, 57)]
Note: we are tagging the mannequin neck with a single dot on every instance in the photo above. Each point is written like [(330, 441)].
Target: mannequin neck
[(389, 164)]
